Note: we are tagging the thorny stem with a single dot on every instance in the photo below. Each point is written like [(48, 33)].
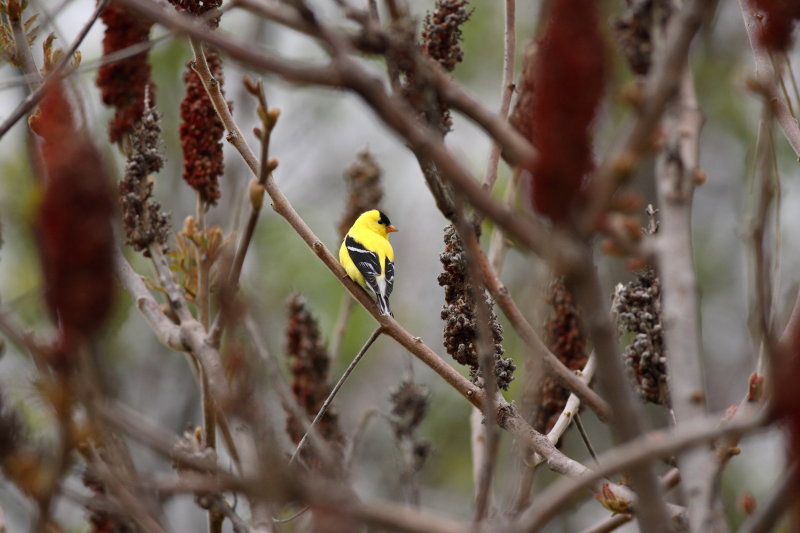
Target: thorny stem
[(327, 403)]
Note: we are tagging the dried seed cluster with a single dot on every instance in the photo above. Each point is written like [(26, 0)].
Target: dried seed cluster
[(637, 306), (363, 179), (461, 329), (632, 33), (143, 219), (310, 366), (441, 32), (441, 41), (409, 405), (564, 337)]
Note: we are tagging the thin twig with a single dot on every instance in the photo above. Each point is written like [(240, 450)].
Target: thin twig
[(255, 193), (770, 511), (585, 437), (507, 90), (358, 434), (34, 97), (340, 328), (327, 403), (499, 243), (202, 299), (278, 383)]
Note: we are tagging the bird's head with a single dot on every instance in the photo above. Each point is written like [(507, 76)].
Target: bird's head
[(377, 221)]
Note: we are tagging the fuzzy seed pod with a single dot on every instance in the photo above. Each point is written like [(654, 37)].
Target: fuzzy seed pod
[(201, 132), (123, 82), (569, 66), (201, 129), (75, 235)]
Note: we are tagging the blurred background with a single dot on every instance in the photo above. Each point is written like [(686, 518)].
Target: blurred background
[(318, 136)]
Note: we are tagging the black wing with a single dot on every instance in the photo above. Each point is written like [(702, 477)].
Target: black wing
[(367, 262), (389, 277)]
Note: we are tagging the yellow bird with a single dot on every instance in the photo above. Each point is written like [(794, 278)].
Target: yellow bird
[(368, 258)]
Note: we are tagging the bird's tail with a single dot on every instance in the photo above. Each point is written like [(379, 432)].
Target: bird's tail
[(383, 305)]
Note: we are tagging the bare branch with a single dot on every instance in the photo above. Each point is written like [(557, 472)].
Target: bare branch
[(507, 89), (639, 451), (676, 168), (167, 332)]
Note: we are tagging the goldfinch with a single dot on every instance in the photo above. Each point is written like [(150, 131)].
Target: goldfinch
[(368, 258)]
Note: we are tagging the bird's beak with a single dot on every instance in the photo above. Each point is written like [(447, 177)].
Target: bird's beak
[(390, 229)]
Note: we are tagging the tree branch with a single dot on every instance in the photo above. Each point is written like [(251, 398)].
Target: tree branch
[(676, 168), (647, 447)]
